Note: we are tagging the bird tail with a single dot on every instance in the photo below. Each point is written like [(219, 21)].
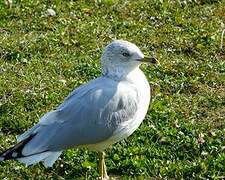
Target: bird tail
[(16, 152)]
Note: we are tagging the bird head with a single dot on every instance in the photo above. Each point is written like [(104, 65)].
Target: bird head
[(122, 57)]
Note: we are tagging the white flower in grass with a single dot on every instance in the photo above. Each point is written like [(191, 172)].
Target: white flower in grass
[(50, 12), (8, 2)]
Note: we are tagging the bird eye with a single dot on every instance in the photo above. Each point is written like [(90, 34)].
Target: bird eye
[(125, 54)]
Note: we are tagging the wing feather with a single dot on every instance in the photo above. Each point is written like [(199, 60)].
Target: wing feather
[(90, 114)]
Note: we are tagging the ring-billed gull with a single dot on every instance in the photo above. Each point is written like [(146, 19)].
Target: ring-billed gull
[(95, 115)]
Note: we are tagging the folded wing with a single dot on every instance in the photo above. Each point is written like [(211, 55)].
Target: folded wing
[(90, 114)]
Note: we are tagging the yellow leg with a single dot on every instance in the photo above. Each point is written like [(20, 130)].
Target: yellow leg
[(102, 166)]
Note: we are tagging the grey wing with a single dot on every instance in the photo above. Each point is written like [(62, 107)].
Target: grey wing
[(86, 117)]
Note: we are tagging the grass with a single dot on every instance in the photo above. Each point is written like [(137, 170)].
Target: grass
[(43, 58)]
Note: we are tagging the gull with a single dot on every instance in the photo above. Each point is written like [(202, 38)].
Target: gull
[(95, 115)]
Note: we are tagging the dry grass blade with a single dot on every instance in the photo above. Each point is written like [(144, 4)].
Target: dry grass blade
[(222, 34)]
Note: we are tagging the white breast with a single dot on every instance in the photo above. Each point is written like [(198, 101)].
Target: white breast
[(141, 85)]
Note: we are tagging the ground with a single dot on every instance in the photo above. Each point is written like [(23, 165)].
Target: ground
[(49, 48)]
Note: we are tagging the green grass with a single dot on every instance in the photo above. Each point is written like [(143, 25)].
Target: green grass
[(43, 58)]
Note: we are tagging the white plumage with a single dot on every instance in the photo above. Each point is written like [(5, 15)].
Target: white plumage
[(95, 115)]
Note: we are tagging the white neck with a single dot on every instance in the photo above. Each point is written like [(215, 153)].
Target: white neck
[(120, 73)]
